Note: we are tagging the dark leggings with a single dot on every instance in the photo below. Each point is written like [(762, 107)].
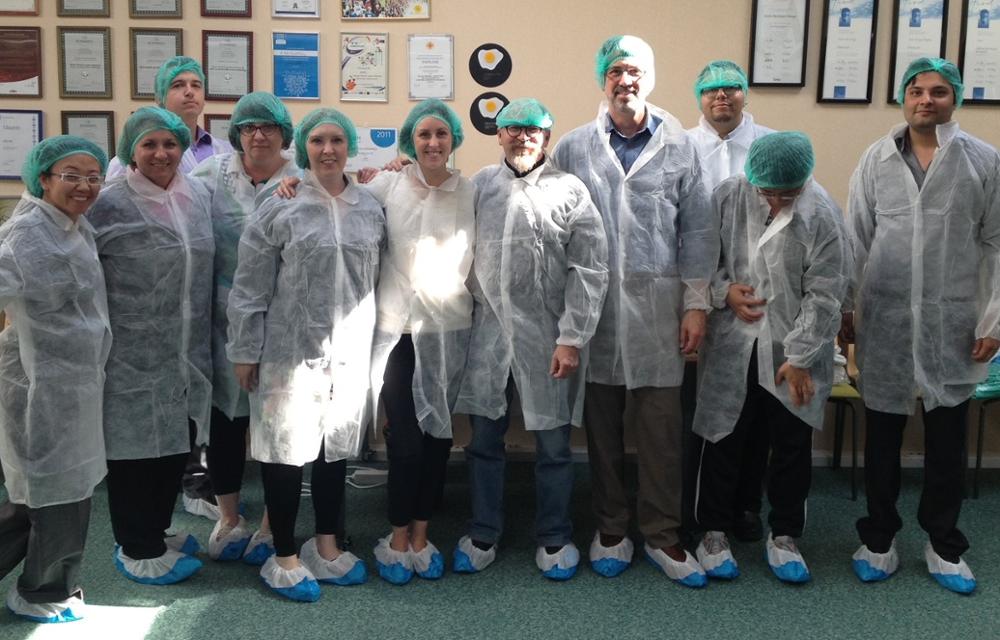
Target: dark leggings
[(227, 452), (283, 489), (417, 462), (141, 498)]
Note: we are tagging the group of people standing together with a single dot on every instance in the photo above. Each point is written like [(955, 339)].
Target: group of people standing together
[(210, 292)]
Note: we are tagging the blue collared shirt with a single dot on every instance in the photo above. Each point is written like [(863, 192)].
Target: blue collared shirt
[(628, 149)]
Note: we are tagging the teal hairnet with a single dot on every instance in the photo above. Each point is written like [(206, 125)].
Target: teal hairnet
[(171, 69), (947, 70), (431, 108), (526, 112), (315, 118), (146, 120), (262, 107), (618, 48), (50, 151), (782, 160), (720, 74)]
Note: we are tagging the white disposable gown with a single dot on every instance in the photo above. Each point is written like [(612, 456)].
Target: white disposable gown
[(724, 157), (51, 356), (303, 308), (156, 249), (801, 265), (663, 247), (927, 270), (539, 279)]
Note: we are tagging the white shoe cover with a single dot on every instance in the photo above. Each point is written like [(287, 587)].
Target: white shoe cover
[(874, 567), (341, 570), (259, 549), (428, 563), (785, 560), (688, 573), (471, 559), (952, 576), (228, 543), (199, 507), (393, 566), (295, 584), (170, 568), (560, 565), (68, 610), (716, 557), (610, 561), (182, 541)]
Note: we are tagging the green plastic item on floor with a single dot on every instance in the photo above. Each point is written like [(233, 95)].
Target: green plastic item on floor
[(990, 387)]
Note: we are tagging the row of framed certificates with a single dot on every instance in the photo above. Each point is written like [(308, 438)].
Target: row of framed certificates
[(350, 9), (85, 63), (779, 37)]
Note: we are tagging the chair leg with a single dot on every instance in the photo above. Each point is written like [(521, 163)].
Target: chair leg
[(979, 450), (838, 432), (854, 451)]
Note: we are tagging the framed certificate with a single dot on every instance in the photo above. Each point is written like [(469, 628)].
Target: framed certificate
[(295, 8), (227, 8), (779, 38), (217, 124), (150, 48), (84, 8), (7, 205), (918, 29), (296, 65), (18, 7), (20, 131), (405, 10), (21, 62), (84, 62), (227, 57), (96, 126), (979, 51), (432, 66), (847, 51), (364, 67), (154, 8)]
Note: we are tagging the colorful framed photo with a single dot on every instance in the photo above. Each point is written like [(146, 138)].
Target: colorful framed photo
[(21, 62)]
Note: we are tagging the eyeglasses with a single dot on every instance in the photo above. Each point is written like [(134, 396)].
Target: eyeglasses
[(514, 130), (267, 130), (783, 196), (729, 91), (616, 73), (74, 178)]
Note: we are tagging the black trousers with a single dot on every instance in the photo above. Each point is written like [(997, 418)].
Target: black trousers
[(141, 497), (417, 462), (789, 471), (944, 479), (50, 540), (227, 452), (283, 491)]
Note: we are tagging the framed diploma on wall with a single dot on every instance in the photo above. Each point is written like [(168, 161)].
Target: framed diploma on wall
[(847, 51), (22, 130), (227, 8), (364, 67), (155, 9), (432, 66), (217, 124), (779, 38), (918, 29), (150, 48), (96, 126), (18, 7), (979, 51), (227, 58), (84, 8), (84, 62), (20, 62)]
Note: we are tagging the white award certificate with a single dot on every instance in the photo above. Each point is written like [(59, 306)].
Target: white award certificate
[(919, 32), (432, 69), (295, 8), (85, 56), (97, 129), (779, 42), (980, 51), (152, 49), (364, 67), (228, 64), (19, 132), (845, 69), (376, 147)]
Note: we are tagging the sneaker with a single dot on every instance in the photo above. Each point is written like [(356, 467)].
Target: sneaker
[(715, 556), (610, 561), (875, 567), (69, 610), (785, 560), (395, 567), (428, 563), (953, 576), (344, 570), (259, 549), (560, 565), (227, 542), (200, 507), (295, 584), (170, 568), (468, 558), (688, 573)]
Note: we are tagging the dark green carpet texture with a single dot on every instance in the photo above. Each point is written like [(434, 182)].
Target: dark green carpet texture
[(511, 599)]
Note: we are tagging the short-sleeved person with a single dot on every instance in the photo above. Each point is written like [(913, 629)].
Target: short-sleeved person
[(924, 208), (766, 364), (540, 276), (52, 360)]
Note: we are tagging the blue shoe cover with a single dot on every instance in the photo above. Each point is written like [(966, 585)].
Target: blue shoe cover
[(295, 584), (434, 566), (870, 566), (785, 560), (716, 557), (688, 573), (170, 568), (394, 573), (725, 571), (395, 567), (226, 543), (560, 565), (794, 572), (183, 542), (867, 573), (462, 563), (609, 567), (956, 577), (344, 570), (468, 558), (559, 574), (259, 549), (357, 575), (69, 610), (610, 561)]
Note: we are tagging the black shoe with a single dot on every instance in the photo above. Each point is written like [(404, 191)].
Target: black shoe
[(749, 528)]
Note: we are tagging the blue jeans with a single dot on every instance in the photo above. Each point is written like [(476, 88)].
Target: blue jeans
[(487, 458)]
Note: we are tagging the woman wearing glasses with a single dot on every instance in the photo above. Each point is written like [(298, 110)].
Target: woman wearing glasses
[(154, 238), (237, 182), (51, 377)]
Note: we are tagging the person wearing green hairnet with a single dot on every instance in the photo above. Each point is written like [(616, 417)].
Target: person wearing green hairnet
[(767, 357), (154, 239), (540, 275), (924, 207), (237, 183), (301, 322), (642, 171), (52, 360)]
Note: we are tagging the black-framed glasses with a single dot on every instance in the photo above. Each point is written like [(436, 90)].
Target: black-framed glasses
[(514, 130), (75, 178), (729, 91), (617, 73), (267, 129)]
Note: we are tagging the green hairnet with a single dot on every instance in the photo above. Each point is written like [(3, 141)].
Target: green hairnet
[(315, 118), (260, 106), (782, 160), (50, 151), (431, 108), (146, 120), (171, 69), (618, 48), (720, 74), (526, 112), (947, 70)]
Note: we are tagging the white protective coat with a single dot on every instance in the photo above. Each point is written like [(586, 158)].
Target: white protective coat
[(51, 356), (540, 276), (234, 199), (800, 264), (303, 307), (422, 289), (722, 158), (663, 247), (156, 250), (927, 267)]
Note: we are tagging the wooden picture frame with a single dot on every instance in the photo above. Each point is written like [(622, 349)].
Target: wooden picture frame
[(80, 71), (85, 124), (21, 62), (218, 124), (18, 7), (232, 8), (65, 11), (142, 71), (155, 9), (227, 59)]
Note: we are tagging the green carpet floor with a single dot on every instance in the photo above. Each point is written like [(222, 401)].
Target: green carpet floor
[(511, 599)]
